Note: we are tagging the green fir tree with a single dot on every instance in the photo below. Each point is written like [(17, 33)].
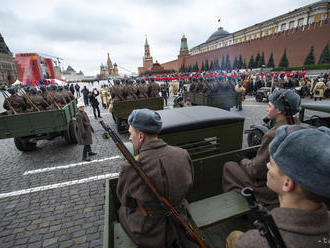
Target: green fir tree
[(325, 56), (223, 65), (251, 62), (203, 67), (256, 63), (261, 61), (240, 62), (235, 64), (270, 63), (228, 66), (284, 62), (310, 59)]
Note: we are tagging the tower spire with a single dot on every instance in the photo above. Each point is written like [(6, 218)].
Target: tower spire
[(147, 50)]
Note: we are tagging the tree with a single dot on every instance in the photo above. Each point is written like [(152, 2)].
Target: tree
[(256, 63), (223, 65), (228, 66), (196, 67), (325, 56), (211, 66), (251, 62), (203, 67), (284, 62), (270, 61), (216, 64), (244, 64), (310, 59), (207, 67), (235, 64), (261, 61), (240, 62)]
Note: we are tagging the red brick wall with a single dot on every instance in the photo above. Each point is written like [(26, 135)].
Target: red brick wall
[(296, 41)]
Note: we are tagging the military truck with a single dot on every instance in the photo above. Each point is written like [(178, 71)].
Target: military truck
[(122, 109), (28, 128), (224, 100), (212, 136), (310, 115), (263, 93)]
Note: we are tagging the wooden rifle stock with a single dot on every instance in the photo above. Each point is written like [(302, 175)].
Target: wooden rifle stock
[(130, 158), (9, 104), (26, 96), (50, 95)]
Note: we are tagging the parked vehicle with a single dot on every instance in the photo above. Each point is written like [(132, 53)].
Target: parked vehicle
[(28, 128), (212, 136), (263, 93), (122, 109)]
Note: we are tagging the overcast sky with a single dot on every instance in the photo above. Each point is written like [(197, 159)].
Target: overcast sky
[(83, 31)]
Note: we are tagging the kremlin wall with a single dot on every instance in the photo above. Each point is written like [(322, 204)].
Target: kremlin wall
[(295, 31)]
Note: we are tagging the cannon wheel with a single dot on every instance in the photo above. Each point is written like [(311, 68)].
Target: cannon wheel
[(255, 137), (23, 145)]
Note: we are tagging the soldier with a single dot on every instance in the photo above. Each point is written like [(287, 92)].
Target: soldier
[(200, 85), (77, 88), (193, 84), (14, 103), (84, 132), (57, 96), (38, 100), (252, 172), (298, 172), (178, 102), (104, 97), (131, 90), (85, 92), (141, 214), (240, 95), (153, 89), (116, 91), (143, 89), (51, 105), (94, 102), (67, 94), (163, 92)]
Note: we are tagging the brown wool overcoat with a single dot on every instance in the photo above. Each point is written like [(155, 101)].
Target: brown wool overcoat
[(298, 228), (170, 171), (252, 172), (84, 129)]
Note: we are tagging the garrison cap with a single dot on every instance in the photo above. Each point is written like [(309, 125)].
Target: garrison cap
[(303, 154), (145, 120), (282, 97)]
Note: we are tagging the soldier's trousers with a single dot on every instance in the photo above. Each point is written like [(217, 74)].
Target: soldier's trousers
[(87, 149)]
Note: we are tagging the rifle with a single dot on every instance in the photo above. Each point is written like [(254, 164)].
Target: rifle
[(29, 100), (265, 222), (9, 104), (50, 95), (137, 166)]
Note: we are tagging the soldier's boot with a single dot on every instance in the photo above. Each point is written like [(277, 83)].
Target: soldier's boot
[(92, 153), (84, 157)]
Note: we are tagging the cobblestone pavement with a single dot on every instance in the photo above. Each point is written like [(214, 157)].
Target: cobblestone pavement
[(49, 198)]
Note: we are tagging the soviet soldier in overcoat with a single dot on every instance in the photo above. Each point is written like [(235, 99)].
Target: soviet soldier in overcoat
[(301, 181), (318, 91), (16, 102), (141, 214), (84, 132), (253, 172)]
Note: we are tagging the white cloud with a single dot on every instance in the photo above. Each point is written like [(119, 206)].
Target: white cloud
[(83, 31)]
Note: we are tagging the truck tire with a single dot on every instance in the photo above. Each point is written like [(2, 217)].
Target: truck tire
[(70, 135), (259, 97), (255, 137), (23, 145)]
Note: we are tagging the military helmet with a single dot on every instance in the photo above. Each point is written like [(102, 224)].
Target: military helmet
[(66, 87), (53, 87), (12, 90), (33, 90), (42, 88), (60, 87), (138, 80), (27, 89), (143, 81), (152, 79)]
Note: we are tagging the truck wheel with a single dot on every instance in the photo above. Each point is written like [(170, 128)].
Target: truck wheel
[(259, 97), (70, 134), (24, 146), (254, 137)]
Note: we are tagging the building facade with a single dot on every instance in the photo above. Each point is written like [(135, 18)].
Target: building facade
[(295, 31), (8, 73), (71, 75), (109, 70)]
